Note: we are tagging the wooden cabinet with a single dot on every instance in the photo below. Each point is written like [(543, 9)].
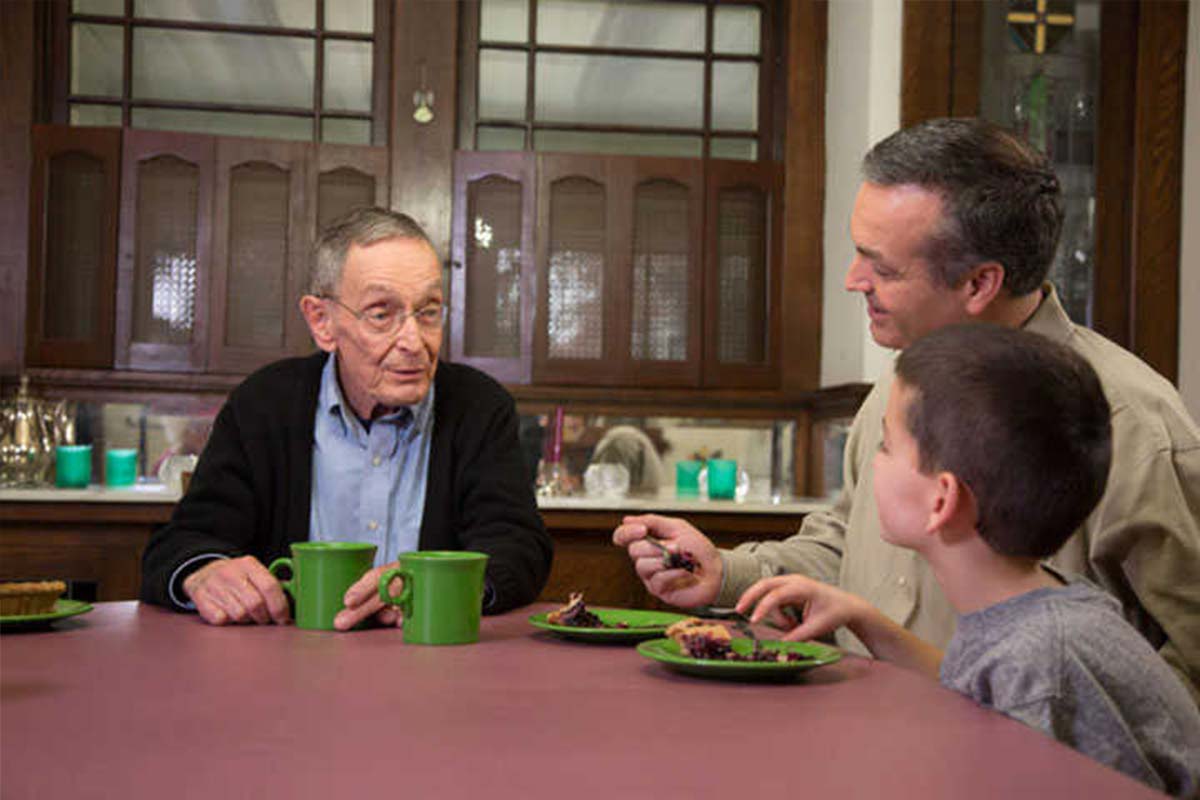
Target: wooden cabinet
[(215, 244), (165, 263), (74, 197), (1138, 124), (622, 271)]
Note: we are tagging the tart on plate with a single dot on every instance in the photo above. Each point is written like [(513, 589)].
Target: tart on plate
[(30, 597)]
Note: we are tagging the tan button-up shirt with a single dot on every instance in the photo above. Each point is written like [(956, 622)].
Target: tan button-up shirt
[(1141, 543)]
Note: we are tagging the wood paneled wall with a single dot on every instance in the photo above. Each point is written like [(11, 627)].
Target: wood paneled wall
[(17, 36)]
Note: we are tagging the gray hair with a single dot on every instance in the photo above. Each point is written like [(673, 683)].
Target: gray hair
[(1001, 198), (362, 226)]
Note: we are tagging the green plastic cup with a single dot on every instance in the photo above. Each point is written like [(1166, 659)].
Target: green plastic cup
[(321, 573), (120, 467), (73, 466), (722, 478), (442, 597), (687, 477)]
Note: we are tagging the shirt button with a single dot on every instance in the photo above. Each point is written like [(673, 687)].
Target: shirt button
[(903, 581), (372, 525), (376, 461)]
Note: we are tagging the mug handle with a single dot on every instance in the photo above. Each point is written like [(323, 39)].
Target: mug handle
[(405, 597), (279, 564)]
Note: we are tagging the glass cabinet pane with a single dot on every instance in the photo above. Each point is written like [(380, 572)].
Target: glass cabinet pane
[(619, 90), (742, 276), (272, 13), (347, 75), (501, 84), (75, 244), (662, 271), (1040, 78), (204, 66), (578, 233), (642, 25), (258, 255), (96, 59), (735, 96), (493, 246), (356, 16), (164, 302), (504, 20)]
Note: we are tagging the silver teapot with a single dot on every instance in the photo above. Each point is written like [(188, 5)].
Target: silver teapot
[(30, 430)]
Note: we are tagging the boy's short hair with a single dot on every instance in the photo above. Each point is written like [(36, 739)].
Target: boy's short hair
[(1021, 420)]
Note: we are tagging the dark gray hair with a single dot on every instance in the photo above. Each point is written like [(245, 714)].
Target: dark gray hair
[(1001, 198), (362, 226)]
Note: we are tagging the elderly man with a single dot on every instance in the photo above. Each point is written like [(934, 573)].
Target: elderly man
[(370, 440), (958, 220)]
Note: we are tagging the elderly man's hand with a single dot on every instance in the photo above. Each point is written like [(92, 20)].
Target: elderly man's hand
[(362, 601), (671, 585), (237, 590)]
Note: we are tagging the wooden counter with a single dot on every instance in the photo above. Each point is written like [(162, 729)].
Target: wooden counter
[(93, 538)]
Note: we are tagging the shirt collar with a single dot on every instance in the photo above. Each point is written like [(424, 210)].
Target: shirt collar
[(331, 401), (1050, 319)]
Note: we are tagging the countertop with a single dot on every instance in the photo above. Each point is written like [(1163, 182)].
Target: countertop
[(663, 501)]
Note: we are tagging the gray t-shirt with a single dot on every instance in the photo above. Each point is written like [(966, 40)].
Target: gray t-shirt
[(1066, 662)]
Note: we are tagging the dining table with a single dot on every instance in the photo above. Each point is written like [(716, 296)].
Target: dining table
[(135, 701)]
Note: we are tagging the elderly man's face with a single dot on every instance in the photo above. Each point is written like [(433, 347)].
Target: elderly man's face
[(890, 227), (390, 279)]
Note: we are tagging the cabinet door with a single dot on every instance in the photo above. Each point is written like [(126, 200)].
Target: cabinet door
[(260, 246), (492, 276), (74, 196), (742, 264), (665, 271), (341, 178), (165, 265), (580, 329)]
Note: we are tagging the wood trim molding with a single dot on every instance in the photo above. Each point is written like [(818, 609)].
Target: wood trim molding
[(18, 66), (799, 302), (1158, 183)]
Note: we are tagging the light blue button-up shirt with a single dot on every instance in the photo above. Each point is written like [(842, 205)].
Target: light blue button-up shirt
[(369, 485)]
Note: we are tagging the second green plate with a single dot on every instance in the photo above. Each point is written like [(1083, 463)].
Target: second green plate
[(640, 624)]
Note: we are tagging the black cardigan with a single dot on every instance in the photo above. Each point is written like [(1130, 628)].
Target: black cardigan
[(250, 493)]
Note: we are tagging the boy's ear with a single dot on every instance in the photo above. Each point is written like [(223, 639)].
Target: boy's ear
[(982, 284), (320, 323), (954, 508)]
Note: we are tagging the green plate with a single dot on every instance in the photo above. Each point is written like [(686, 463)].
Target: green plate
[(62, 610), (642, 624), (817, 655)]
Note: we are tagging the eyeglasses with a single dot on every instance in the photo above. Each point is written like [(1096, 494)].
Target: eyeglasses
[(387, 320)]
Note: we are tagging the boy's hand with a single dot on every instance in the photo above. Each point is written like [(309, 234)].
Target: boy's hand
[(823, 608)]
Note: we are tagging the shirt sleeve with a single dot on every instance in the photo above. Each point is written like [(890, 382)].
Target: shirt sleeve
[(816, 548)]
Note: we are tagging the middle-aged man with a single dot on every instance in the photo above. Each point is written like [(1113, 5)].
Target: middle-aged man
[(957, 220), (370, 440)]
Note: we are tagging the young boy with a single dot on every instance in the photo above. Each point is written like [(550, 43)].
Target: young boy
[(996, 446)]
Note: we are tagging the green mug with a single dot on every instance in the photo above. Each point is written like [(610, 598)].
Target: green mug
[(442, 596), (321, 573), (722, 478), (73, 466)]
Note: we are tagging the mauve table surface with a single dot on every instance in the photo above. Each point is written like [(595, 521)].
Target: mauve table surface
[(132, 701)]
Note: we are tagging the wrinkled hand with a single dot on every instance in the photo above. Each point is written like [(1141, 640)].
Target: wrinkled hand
[(823, 608), (362, 601), (675, 586), (237, 591)]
